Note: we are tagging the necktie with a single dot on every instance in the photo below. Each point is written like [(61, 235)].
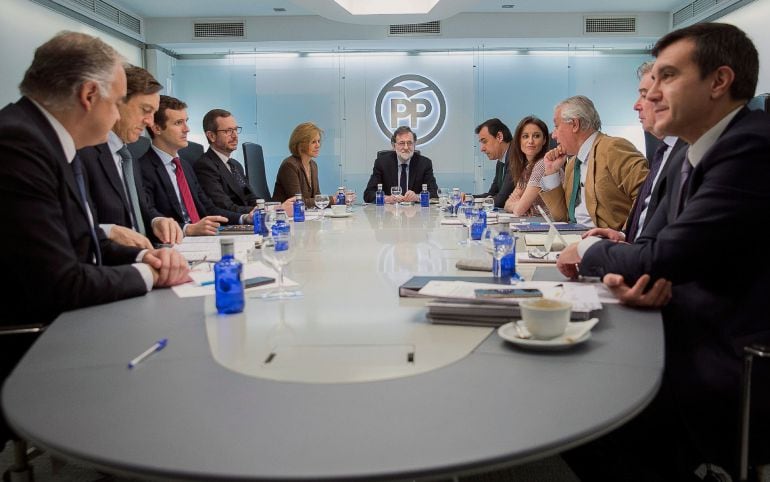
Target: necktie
[(574, 198), (77, 170), (237, 173), (684, 176), (403, 181), (130, 185), (184, 191), (644, 192)]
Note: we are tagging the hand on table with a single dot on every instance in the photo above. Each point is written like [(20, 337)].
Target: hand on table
[(168, 266), (167, 230), (656, 297), (568, 261), (607, 233)]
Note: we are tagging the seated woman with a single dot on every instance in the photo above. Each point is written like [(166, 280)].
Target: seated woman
[(530, 143), (298, 173)]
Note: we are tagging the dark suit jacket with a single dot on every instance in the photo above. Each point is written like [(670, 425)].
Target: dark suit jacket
[(219, 184), (670, 171), (719, 303), (162, 197), (48, 242), (385, 172), (501, 195), (106, 188)]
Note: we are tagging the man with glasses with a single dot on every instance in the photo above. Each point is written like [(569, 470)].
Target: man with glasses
[(590, 178), (403, 167)]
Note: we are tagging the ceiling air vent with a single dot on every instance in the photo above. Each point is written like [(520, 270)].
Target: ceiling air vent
[(102, 10), (219, 29), (609, 25), (428, 28), (704, 11)]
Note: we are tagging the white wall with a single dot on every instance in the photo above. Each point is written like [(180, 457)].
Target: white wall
[(752, 19), (25, 25)]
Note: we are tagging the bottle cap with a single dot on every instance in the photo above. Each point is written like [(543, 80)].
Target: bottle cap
[(227, 246), (298, 196), (379, 187), (424, 187), (260, 203)]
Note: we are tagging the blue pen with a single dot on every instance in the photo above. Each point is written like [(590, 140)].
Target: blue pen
[(161, 344)]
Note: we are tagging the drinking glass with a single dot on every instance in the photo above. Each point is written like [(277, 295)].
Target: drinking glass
[(395, 191), (488, 204), (500, 250), (321, 201), (350, 195), (443, 198), (279, 254), (270, 219), (468, 214)]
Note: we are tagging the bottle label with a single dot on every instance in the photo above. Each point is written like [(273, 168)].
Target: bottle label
[(299, 211), (425, 199)]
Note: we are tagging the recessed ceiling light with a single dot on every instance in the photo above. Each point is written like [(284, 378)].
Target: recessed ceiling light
[(279, 9), (391, 7), (508, 5)]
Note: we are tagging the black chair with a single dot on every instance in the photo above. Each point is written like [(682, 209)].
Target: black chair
[(191, 153), (139, 148), (760, 102), (254, 159), (749, 352)]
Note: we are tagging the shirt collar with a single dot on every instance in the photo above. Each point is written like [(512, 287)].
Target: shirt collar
[(221, 156), (65, 139), (165, 157), (698, 149), (670, 141), (585, 147), (114, 142)]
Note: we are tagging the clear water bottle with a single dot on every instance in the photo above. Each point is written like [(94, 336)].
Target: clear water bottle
[(340, 199), (424, 196), (299, 208), (379, 196), (227, 280), (455, 201)]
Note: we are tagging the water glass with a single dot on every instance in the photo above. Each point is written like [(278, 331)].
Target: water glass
[(350, 196), (321, 201), (280, 254), (488, 204), (270, 220), (443, 198), (395, 192)]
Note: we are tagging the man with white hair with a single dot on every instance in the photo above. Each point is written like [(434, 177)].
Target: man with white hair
[(601, 178)]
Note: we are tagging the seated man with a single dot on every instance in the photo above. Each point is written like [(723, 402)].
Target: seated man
[(494, 141), (602, 176), (170, 182), (402, 167), (59, 258), (114, 177)]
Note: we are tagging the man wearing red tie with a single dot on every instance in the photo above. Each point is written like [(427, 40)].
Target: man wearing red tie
[(170, 182)]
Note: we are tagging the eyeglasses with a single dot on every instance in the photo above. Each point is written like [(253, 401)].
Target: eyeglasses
[(405, 144), (231, 131)]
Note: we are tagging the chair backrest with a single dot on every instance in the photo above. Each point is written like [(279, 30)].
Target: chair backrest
[(140, 147), (191, 153), (254, 159), (760, 102)]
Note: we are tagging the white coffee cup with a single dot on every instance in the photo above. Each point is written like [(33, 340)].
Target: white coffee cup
[(544, 317), (338, 209)]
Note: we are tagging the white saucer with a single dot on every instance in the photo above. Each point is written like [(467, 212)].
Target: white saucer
[(508, 333), (335, 215)]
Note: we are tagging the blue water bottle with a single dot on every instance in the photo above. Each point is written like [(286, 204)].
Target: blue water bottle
[(281, 223), (479, 225), (299, 208), (424, 196), (227, 280), (379, 196), (340, 195), (503, 238)]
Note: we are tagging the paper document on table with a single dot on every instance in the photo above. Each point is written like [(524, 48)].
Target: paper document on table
[(250, 270), (525, 257), (539, 240), (196, 248), (451, 221)]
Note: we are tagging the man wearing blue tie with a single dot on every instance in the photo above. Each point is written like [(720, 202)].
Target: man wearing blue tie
[(114, 177)]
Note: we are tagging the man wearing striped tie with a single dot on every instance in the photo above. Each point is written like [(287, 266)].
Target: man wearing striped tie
[(114, 177)]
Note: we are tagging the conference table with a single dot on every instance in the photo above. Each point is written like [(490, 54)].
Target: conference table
[(357, 383)]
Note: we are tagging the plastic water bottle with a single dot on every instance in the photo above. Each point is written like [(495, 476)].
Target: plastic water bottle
[(281, 223), (479, 225), (299, 208), (258, 220), (340, 195), (425, 196), (503, 238), (455, 201), (379, 196), (227, 280)]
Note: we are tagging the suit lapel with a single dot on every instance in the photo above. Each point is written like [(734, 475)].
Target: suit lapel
[(111, 171), (162, 174), (226, 174), (589, 194)]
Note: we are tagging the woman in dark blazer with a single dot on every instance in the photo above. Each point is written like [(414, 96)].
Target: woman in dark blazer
[(299, 172)]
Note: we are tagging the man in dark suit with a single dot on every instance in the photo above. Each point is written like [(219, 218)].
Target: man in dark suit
[(221, 177), (402, 167), (170, 182), (494, 141), (704, 74), (114, 177), (58, 257)]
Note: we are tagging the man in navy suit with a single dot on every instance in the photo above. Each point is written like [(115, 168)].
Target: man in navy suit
[(703, 76), (170, 182), (58, 257), (124, 219), (402, 167), (495, 141)]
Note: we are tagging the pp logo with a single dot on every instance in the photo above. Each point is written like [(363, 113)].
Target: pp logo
[(414, 101)]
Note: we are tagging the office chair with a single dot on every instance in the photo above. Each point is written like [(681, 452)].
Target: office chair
[(191, 153), (254, 159), (760, 102), (139, 148), (749, 352), (14, 342)]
